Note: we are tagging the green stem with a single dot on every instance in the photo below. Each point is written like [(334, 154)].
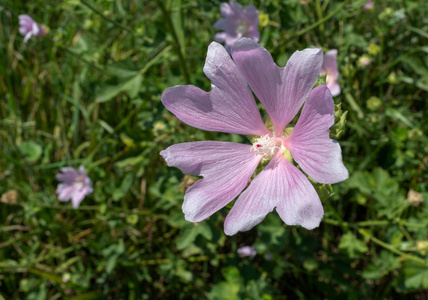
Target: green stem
[(323, 20), (396, 251), (373, 223), (167, 17), (319, 13), (158, 261), (84, 2)]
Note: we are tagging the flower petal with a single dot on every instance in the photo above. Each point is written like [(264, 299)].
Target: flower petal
[(260, 198), (334, 88), (309, 142), (301, 204), (226, 9), (64, 192), (229, 107), (282, 91), (226, 168), (330, 64), (67, 175), (78, 196), (261, 73)]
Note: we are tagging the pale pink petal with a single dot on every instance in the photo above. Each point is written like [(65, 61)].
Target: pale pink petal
[(301, 204), (67, 175), (330, 64), (220, 37), (260, 198), (229, 107), (334, 88), (298, 77), (309, 143), (226, 10), (78, 196), (226, 168), (282, 91), (64, 192), (251, 14), (254, 35), (221, 24), (25, 23), (75, 185)]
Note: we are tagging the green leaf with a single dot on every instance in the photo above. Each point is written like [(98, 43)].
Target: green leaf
[(380, 186), (31, 151), (187, 235), (228, 289), (96, 295), (381, 266), (352, 245), (414, 276), (130, 85)]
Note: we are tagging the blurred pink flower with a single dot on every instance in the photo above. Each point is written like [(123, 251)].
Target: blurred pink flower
[(230, 107), (75, 185), (237, 23), (368, 5), (329, 67), (247, 251), (28, 27)]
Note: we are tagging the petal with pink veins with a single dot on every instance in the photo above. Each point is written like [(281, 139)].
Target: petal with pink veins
[(226, 168), (282, 91), (330, 64), (300, 205), (310, 144), (229, 107), (260, 198)]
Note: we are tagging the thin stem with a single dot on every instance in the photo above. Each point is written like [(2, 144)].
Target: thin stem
[(319, 13), (158, 261), (396, 251), (373, 223), (323, 20), (84, 2), (183, 64)]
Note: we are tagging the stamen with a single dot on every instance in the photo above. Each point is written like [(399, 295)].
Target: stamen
[(266, 145), (243, 28), (79, 183)]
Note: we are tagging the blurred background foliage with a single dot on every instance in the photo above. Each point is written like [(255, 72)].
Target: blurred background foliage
[(89, 94)]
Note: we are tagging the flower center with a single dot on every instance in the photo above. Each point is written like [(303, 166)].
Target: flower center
[(267, 146), (79, 183), (243, 28)]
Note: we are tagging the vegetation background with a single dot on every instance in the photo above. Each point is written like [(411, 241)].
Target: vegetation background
[(89, 94)]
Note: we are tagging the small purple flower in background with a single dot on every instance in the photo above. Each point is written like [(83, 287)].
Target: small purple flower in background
[(247, 251), (368, 5), (227, 167), (329, 67), (75, 185), (29, 28), (237, 23)]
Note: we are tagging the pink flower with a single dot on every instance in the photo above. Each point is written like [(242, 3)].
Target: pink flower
[(28, 27), (75, 185), (247, 251), (230, 107), (237, 23), (368, 5), (329, 67)]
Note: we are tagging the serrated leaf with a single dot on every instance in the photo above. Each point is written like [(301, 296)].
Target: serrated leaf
[(353, 246), (414, 275)]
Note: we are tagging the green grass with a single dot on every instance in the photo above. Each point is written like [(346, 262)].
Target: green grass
[(89, 94)]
